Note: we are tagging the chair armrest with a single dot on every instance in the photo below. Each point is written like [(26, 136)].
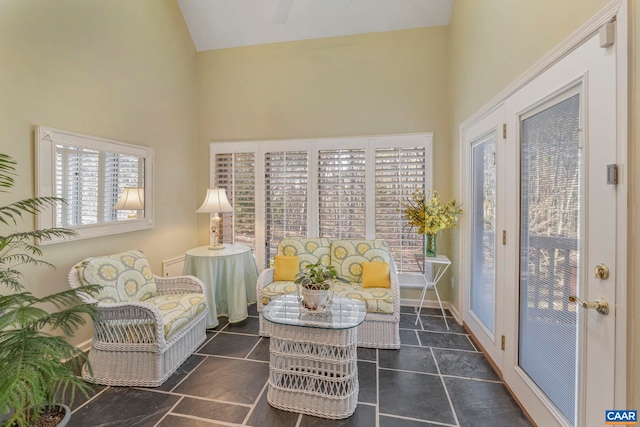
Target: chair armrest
[(395, 288), (179, 285), (264, 279), (129, 323)]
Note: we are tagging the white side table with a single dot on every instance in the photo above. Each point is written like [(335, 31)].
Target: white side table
[(440, 263)]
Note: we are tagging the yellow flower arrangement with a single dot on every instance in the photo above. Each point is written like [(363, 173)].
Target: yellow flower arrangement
[(430, 216)]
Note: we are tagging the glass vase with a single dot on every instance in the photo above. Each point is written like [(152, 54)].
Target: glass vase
[(430, 249)]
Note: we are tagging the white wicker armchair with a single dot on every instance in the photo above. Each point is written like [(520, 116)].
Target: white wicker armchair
[(136, 342)]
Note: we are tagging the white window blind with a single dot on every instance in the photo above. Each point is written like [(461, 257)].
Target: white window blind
[(92, 181), (339, 188), (399, 171), (236, 173), (342, 194), (286, 175), (551, 196)]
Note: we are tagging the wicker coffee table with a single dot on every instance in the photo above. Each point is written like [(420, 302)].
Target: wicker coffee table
[(312, 368)]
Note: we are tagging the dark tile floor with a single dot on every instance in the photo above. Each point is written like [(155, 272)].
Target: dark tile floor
[(437, 378)]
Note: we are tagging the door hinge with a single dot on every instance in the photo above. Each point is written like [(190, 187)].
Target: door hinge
[(504, 131), (502, 343), (504, 237), (494, 158)]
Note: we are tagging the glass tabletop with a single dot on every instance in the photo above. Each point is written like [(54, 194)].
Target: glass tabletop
[(343, 313)]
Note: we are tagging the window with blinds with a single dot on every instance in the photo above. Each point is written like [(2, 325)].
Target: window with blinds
[(343, 188), (341, 194), (91, 182), (551, 189), (236, 173), (286, 175), (399, 171)]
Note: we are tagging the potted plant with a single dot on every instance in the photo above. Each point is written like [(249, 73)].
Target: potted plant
[(36, 366), (315, 284)]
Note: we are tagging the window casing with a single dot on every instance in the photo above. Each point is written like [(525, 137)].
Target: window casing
[(90, 173), (339, 188)]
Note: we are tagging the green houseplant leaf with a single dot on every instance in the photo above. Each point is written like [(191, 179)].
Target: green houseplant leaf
[(37, 364), (317, 276)]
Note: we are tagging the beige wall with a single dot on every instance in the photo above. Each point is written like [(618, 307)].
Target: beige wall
[(382, 83), (495, 41), (492, 43), (116, 69)]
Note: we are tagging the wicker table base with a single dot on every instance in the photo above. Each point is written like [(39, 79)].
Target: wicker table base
[(313, 371)]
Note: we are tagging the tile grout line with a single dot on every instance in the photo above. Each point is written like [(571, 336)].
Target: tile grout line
[(437, 423), (206, 420), (192, 396), (188, 374), (168, 412), (453, 409), (252, 348), (255, 403), (377, 408), (91, 399)]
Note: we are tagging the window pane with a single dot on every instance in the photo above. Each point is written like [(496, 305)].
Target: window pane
[(235, 172), (341, 194), (483, 221), (91, 182), (399, 172), (286, 182), (550, 187)]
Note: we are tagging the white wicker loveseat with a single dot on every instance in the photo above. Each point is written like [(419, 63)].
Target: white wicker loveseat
[(382, 322), (146, 326)]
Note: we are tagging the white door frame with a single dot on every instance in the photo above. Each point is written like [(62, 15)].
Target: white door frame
[(617, 10)]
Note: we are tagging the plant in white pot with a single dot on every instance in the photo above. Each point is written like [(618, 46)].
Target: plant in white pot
[(315, 284), (37, 367)]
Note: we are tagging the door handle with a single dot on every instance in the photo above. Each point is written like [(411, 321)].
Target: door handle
[(600, 304)]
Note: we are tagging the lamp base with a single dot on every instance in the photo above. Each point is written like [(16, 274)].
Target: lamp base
[(216, 247)]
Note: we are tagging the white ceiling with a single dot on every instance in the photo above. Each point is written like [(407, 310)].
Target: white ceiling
[(218, 24)]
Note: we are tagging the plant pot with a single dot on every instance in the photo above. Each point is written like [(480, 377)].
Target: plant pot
[(314, 299), (63, 409), (67, 415)]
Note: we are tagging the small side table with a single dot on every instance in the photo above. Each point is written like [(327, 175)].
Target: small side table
[(230, 275), (312, 357), (441, 263)]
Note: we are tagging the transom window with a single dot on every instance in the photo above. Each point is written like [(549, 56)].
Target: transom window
[(345, 188)]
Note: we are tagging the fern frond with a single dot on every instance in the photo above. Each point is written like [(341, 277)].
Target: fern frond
[(14, 211), (7, 169)]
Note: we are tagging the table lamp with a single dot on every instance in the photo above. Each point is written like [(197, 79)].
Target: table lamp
[(132, 199), (215, 202)]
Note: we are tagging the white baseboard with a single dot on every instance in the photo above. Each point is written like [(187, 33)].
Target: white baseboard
[(85, 346)]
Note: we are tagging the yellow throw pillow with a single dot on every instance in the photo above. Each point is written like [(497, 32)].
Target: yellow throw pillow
[(285, 268), (375, 275)]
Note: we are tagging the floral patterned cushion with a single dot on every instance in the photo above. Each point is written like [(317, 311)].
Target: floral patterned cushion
[(309, 250), (124, 277), (347, 256), (177, 310), (377, 300), (275, 289)]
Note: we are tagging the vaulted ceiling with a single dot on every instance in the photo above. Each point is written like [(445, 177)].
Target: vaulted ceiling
[(218, 24)]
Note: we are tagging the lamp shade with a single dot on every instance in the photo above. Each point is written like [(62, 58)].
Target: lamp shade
[(215, 202), (132, 199)]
